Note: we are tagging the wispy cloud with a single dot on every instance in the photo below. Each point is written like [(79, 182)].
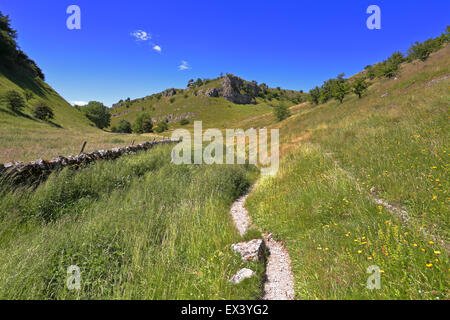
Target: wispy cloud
[(184, 66), (141, 35), (144, 36), (78, 103)]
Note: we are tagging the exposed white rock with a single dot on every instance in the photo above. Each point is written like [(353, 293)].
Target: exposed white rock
[(251, 250), (241, 275)]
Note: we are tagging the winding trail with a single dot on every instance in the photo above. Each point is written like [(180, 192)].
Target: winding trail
[(279, 281)]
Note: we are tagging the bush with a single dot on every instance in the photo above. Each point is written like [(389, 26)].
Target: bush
[(162, 126), (314, 95), (360, 86), (28, 94), (172, 100), (143, 123), (124, 126), (184, 122), (14, 100), (97, 113), (281, 112), (42, 111)]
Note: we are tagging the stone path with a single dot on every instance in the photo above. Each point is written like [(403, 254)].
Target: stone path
[(279, 281)]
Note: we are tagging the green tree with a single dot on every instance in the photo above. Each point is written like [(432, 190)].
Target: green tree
[(143, 123), (339, 88), (314, 95), (123, 126), (98, 113), (14, 100), (162, 126), (42, 111), (281, 112), (360, 86)]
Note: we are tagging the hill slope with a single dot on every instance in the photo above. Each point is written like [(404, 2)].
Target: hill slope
[(365, 183), (216, 104)]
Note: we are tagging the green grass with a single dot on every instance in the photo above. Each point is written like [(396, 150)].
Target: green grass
[(213, 112), (322, 210), (138, 227), (25, 138)]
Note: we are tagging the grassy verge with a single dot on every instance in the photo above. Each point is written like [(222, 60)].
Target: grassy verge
[(396, 139), (137, 227)]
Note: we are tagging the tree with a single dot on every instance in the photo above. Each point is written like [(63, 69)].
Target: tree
[(162, 126), (360, 86), (370, 71), (314, 95), (339, 88), (143, 123), (14, 100), (98, 113), (42, 111), (123, 126), (281, 112)]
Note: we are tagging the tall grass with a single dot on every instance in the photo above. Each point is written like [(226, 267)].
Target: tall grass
[(138, 227), (394, 139)]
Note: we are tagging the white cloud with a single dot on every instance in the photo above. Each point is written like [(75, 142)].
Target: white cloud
[(141, 35), (184, 66), (157, 48), (78, 103)]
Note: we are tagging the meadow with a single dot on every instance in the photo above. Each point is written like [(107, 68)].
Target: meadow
[(138, 228), (393, 144)]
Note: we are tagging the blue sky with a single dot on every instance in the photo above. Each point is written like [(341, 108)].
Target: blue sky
[(291, 44)]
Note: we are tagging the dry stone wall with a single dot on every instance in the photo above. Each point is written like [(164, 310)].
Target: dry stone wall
[(21, 172)]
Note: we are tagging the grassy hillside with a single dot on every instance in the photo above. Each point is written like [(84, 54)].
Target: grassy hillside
[(393, 144), (23, 137), (138, 227), (213, 112)]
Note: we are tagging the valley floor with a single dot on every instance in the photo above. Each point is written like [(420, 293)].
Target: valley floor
[(143, 228)]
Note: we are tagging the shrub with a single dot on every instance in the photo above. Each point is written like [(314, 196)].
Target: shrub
[(123, 126), (360, 86), (98, 113), (28, 94), (162, 126), (281, 112), (172, 100), (340, 89), (314, 95), (184, 122), (143, 123), (14, 100), (42, 111)]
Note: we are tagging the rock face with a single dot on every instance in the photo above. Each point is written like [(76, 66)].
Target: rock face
[(251, 250), (241, 275), (234, 89), (232, 86), (20, 172), (214, 92), (169, 92)]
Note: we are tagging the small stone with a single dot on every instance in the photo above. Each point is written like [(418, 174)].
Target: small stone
[(241, 275)]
